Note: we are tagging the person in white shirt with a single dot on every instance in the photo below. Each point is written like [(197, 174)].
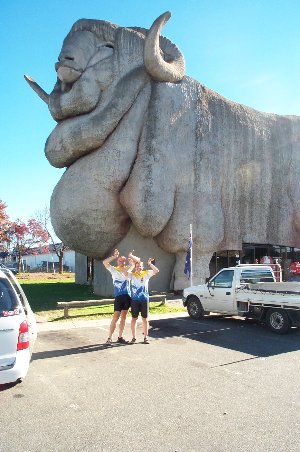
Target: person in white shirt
[(122, 301), (139, 294)]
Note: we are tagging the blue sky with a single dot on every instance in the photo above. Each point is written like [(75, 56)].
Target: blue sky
[(247, 50)]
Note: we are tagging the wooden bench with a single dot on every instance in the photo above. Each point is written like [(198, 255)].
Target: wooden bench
[(158, 297), (85, 303)]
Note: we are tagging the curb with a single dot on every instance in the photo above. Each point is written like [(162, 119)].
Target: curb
[(72, 324)]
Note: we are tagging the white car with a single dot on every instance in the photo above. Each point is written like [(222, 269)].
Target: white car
[(18, 330)]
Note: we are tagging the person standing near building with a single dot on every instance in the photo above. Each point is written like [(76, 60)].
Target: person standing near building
[(122, 301), (140, 295)]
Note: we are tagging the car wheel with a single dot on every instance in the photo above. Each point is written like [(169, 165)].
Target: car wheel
[(194, 307), (278, 321)]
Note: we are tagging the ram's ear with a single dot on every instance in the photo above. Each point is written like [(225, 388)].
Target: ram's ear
[(128, 51)]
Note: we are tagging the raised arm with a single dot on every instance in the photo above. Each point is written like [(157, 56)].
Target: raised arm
[(128, 269), (108, 260), (152, 266), (135, 259)]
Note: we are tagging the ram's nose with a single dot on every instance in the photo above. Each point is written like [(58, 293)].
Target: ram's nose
[(65, 56)]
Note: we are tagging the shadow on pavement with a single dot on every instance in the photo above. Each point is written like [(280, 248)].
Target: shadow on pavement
[(74, 351), (236, 334), (241, 335), (7, 386)]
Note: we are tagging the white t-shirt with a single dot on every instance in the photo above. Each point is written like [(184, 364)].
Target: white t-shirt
[(139, 285), (120, 281)]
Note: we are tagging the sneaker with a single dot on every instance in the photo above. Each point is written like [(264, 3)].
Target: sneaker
[(121, 340), (109, 341), (133, 341)]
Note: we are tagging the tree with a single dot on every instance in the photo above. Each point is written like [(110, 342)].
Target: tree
[(25, 237), (43, 217), (5, 225)]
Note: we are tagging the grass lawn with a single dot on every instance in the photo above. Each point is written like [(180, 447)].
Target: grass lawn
[(44, 290)]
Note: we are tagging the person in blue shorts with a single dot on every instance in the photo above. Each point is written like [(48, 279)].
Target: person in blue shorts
[(139, 294), (122, 301)]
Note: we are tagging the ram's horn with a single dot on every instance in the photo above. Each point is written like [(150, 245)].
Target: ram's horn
[(40, 92), (157, 67)]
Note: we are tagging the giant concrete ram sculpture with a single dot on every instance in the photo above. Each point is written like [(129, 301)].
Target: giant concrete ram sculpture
[(144, 144)]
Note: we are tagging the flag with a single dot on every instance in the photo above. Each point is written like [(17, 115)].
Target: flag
[(187, 266)]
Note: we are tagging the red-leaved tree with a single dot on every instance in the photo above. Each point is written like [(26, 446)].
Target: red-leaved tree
[(25, 237), (43, 217), (5, 224)]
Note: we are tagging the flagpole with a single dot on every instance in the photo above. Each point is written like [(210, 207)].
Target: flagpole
[(191, 236)]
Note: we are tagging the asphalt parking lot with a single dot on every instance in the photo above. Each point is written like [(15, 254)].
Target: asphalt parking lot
[(218, 384)]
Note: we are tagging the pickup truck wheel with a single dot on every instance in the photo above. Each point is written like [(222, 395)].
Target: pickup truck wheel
[(278, 321), (194, 308)]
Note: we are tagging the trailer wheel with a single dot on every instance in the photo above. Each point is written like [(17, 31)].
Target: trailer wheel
[(194, 308), (278, 321)]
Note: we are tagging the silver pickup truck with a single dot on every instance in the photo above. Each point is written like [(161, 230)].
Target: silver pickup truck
[(249, 291)]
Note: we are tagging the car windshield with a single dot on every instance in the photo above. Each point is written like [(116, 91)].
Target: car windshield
[(9, 303)]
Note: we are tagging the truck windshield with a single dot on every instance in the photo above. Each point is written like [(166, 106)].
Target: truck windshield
[(9, 303), (256, 275), (223, 279)]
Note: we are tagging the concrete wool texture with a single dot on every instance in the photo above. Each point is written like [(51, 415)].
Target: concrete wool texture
[(159, 156)]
